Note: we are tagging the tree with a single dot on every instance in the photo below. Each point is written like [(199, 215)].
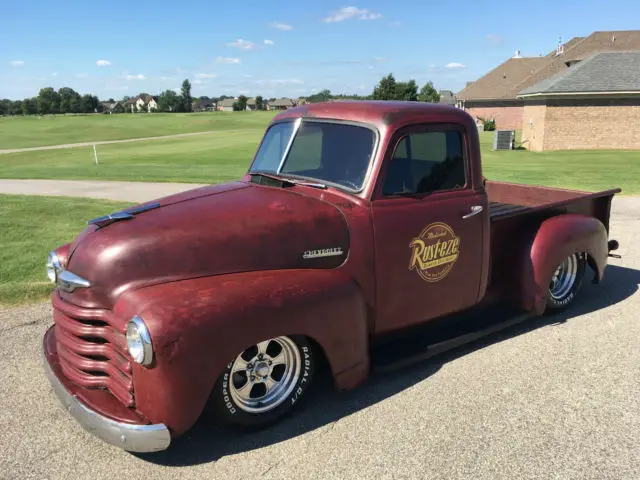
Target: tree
[(186, 95), (259, 103), (48, 101), (386, 89), (428, 93), (90, 103), (168, 101), (321, 96), (70, 100), (407, 91), (5, 106), (16, 108), (240, 104), (29, 106)]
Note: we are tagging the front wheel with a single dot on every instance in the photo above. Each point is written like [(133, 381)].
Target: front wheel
[(566, 281), (264, 382)]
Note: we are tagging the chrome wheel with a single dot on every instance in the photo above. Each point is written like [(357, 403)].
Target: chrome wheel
[(263, 376), (564, 278)]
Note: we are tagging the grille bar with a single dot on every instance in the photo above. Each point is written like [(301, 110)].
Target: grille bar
[(92, 350)]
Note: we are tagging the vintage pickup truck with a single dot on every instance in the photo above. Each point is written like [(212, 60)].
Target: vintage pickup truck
[(355, 221)]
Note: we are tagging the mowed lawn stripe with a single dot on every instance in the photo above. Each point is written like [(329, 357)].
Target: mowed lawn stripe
[(35, 131), (202, 159), (30, 227)]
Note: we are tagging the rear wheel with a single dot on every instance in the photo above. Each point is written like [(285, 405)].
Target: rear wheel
[(264, 382), (566, 281)]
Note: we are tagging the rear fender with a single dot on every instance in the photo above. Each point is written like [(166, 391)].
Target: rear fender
[(198, 326), (557, 238)]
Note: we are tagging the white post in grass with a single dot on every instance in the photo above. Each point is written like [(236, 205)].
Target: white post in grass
[(95, 153)]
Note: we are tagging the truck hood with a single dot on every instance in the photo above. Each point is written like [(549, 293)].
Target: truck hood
[(213, 230)]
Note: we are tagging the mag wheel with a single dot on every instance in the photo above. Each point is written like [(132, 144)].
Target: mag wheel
[(566, 281), (264, 382)]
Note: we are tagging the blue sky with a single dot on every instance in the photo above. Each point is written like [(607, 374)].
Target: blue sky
[(274, 48)]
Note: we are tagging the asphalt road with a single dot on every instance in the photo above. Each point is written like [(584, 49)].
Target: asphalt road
[(556, 398)]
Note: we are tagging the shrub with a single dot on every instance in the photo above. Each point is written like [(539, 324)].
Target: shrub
[(489, 125)]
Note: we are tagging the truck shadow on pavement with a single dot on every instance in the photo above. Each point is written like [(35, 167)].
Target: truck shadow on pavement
[(324, 405)]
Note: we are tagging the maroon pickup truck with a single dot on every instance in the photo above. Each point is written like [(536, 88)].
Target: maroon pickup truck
[(357, 221)]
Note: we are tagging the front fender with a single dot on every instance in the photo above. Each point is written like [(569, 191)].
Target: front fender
[(198, 326), (557, 238)]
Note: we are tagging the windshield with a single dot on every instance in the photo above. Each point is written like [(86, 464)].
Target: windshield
[(335, 153)]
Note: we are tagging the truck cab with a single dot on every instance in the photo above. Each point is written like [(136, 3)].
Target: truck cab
[(355, 220)]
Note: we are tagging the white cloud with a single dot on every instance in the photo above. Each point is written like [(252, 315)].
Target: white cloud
[(206, 75), (281, 26), (82, 75), (54, 74), (17, 63), (197, 81), (242, 44), (454, 65), (103, 63), (285, 81), (268, 42), (346, 13), (248, 76), (396, 24), (494, 38), (227, 60), (136, 77), (379, 59)]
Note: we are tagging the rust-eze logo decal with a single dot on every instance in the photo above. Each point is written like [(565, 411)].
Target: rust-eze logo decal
[(434, 252)]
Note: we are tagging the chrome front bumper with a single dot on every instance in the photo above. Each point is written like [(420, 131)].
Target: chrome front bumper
[(131, 437)]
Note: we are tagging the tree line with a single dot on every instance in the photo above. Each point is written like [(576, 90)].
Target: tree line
[(67, 100)]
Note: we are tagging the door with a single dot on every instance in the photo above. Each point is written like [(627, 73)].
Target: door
[(428, 228)]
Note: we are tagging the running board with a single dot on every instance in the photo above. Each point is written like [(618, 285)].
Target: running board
[(394, 360)]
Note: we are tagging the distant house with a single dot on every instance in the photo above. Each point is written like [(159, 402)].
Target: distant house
[(226, 105), (251, 104), (204, 105), (112, 107), (281, 104), (595, 103), (495, 95), (447, 97), (142, 102)]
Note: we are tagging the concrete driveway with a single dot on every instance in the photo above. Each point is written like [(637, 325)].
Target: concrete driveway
[(556, 398)]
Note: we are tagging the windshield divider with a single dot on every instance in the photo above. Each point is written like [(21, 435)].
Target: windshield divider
[(286, 151)]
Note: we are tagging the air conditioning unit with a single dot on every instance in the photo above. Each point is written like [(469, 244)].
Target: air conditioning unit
[(504, 139)]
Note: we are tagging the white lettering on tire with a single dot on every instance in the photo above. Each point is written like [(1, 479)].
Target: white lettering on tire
[(225, 394)]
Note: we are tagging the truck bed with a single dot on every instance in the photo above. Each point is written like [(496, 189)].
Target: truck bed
[(516, 213), (507, 200)]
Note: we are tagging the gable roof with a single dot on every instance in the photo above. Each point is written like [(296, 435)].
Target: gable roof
[(516, 74), (502, 82), (227, 102), (600, 72), (282, 102), (447, 97), (594, 43)]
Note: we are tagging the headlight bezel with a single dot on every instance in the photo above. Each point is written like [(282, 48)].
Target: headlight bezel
[(142, 351), (53, 266)]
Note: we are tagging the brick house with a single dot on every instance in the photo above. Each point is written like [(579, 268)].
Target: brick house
[(595, 103), (495, 95)]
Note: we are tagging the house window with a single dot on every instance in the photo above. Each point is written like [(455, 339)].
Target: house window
[(426, 162)]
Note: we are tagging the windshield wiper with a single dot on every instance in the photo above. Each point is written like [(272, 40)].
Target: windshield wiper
[(282, 180)]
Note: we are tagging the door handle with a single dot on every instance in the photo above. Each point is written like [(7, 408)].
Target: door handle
[(476, 209)]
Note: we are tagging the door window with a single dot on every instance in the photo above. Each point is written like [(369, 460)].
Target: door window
[(426, 162)]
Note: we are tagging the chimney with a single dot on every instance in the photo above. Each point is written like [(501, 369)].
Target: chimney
[(517, 55)]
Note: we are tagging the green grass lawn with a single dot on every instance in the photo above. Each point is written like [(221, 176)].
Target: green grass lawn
[(225, 156), (34, 131), (202, 159), (30, 227)]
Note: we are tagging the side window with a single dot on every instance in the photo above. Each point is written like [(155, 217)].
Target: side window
[(426, 162)]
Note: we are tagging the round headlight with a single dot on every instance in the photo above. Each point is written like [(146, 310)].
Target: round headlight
[(139, 341), (53, 266)]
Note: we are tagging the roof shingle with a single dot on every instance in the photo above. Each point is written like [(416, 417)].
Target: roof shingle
[(601, 72)]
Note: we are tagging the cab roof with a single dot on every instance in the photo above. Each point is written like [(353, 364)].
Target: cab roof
[(381, 113)]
